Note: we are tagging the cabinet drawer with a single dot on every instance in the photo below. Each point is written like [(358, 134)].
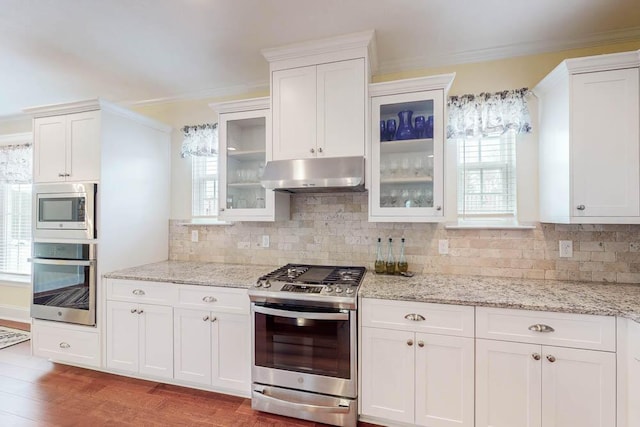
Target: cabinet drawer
[(229, 300), (66, 345), (430, 318), (540, 327), (142, 291)]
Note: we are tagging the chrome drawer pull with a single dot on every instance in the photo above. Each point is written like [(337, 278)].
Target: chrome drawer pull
[(415, 317), (535, 356), (551, 358), (409, 343), (538, 327), (138, 292), (133, 310), (65, 345), (209, 299), (213, 319)]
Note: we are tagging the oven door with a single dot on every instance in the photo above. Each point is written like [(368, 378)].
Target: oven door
[(305, 348), (64, 290)]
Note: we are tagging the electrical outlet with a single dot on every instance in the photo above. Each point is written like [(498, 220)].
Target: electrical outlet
[(443, 246), (566, 248), (265, 241), (194, 235)]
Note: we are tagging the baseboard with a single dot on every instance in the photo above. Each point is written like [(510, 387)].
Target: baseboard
[(14, 313)]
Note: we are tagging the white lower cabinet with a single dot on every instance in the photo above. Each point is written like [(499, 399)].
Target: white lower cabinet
[(62, 342), (213, 349), (140, 338), (536, 385), (414, 377)]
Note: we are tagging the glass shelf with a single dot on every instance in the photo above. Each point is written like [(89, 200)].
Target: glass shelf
[(407, 180), (246, 155)]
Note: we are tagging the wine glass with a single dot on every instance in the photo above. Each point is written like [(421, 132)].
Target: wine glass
[(405, 166), (417, 166), (393, 167)]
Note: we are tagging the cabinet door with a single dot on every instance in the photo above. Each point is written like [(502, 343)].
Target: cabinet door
[(294, 113), (633, 374), (578, 388), (508, 384), (341, 108), (388, 361), (407, 165), (231, 355), (605, 143), (244, 139), (444, 388), (83, 146), (192, 345), (49, 163), (156, 340), (122, 336)]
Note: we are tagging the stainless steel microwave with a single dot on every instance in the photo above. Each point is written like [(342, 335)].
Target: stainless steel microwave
[(64, 211)]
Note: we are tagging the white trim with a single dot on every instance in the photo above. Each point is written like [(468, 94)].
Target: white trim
[(253, 104), (16, 138), (15, 313)]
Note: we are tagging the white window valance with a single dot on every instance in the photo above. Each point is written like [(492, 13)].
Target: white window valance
[(200, 140), (488, 114), (16, 164)]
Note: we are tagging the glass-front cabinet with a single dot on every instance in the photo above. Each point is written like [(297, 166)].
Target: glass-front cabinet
[(245, 148), (407, 150)]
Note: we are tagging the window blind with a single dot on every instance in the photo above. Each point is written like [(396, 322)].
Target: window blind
[(204, 200), (487, 176), (15, 228)]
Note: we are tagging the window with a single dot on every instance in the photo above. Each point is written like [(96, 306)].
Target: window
[(487, 177), (15, 205), (204, 198)]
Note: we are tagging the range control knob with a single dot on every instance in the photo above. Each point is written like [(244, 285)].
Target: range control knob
[(266, 284), (349, 291), (338, 290), (258, 283), (327, 289)]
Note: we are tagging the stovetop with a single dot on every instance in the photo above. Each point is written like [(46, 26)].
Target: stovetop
[(335, 286)]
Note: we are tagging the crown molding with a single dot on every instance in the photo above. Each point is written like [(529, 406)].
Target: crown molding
[(509, 51), (441, 81), (253, 104)]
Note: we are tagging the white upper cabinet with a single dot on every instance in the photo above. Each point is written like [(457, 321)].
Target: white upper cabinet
[(590, 141), (67, 147), (245, 146), (319, 93), (407, 157)]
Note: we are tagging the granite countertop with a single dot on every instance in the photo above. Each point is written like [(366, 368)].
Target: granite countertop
[(195, 273), (527, 294)]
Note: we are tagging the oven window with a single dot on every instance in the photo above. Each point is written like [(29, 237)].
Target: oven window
[(320, 347), (64, 286)]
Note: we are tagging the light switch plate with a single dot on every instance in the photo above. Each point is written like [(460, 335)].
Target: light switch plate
[(194, 235), (443, 246), (265, 241)]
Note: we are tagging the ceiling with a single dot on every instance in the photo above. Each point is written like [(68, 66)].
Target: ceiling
[(54, 51)]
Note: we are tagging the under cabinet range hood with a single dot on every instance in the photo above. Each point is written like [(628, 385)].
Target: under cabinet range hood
[(318, 175)]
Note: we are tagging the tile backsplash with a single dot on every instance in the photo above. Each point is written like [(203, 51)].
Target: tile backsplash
[(333, 229)]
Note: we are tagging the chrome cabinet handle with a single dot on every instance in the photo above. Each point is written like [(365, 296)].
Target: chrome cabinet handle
[(61, 175), (581, 207), (438, 208), (140, 311), (209, 299), (205, 318), (65, 345), (213, 319), (312, 151), (535, 356), (551, 358), (67, 174), (221, 209), (420, 343), (538, 327), (415, 317), (138, 292), (133, 310), (319, 149), (409, 343)]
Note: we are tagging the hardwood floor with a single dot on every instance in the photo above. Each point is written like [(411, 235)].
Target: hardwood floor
[(36, 392)]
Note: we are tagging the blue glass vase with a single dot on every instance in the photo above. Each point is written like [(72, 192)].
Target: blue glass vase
[(405, 127), (391, 129)]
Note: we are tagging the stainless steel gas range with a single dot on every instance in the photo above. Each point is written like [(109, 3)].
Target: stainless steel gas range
[(304, 353)]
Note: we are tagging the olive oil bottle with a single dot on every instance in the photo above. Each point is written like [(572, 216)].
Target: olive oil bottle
[(379, 264), (403, 265), (391, 261)]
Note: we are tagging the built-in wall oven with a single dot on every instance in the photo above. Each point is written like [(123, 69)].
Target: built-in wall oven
[(305, 343), (64, 211), (64, 282)]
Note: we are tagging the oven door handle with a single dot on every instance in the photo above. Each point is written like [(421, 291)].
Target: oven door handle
[(306, 406), (62, 262), (300, 314)]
